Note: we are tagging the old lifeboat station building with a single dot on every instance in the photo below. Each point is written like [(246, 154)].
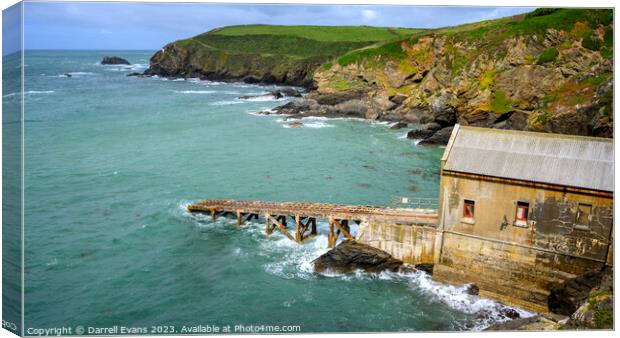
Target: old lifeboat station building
[(520, 212)]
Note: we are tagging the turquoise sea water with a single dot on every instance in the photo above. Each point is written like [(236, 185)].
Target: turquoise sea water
[(111, 162)]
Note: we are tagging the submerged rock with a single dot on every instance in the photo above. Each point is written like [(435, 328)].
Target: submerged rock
[(295, 125), (350, 255), (114, 60)]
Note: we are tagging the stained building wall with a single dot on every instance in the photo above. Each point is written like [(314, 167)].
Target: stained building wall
[(518, 264)]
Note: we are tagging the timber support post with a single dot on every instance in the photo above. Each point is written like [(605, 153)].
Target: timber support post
[(239, 218), (268, 227), (298, 229)]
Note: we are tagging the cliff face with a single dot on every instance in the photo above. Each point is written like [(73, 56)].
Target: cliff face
[(264, 54), (547, 71), (191, 59)]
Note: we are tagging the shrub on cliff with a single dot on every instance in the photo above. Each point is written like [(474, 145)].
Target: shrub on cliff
[(548, 55)]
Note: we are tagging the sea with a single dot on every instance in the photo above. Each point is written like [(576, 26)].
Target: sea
[(111, 163)]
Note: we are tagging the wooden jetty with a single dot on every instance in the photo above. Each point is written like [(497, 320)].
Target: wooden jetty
[(305, 215)]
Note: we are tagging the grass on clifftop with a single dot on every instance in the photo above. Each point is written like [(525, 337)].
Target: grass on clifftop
[(316, 43), (491, 34), (321, 33)]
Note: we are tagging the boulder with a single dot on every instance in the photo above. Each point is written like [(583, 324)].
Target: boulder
[(114, 60), (290, 92), (441, 137), (350, 255), (423, 131), (426, 267)]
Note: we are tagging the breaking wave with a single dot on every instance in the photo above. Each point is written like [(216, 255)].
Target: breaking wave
[(195, 91), (30, 92)]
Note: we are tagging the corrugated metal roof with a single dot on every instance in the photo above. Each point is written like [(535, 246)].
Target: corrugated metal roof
[(575, 161)]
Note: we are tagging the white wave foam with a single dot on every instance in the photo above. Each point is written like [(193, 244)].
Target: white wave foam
[(316, 125), (30, 92), (195, 91), (81, 73), (225, 103)]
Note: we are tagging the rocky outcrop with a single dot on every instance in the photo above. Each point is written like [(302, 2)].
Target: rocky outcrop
[(192, 61), (114, 60), (595, 310), (538, 78), (524, 72), (534, 323), (566, 298), (350, 255)]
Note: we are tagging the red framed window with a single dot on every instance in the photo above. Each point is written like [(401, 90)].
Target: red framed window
[(523, 209), (469, 208)]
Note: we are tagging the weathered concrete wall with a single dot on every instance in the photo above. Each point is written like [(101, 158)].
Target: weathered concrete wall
[(512, 263), (412, 244)]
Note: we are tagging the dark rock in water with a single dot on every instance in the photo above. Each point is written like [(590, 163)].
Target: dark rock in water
[(567, 298), (509, 313), (423, 131), (441, 137), (350, 255), (426, 267), (114, 60), (420, 134), (290, 92), (276, 94), (137, 74), (473, 289), (399, 125), (67, 75)]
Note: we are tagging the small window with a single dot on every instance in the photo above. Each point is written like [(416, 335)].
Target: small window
[(469, 208), (582, 219), (522, 213)]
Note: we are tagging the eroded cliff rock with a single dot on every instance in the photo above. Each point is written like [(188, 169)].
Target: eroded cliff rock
[(545, 71)]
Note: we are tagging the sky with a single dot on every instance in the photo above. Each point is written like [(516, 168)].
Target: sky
[(149, 26)]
